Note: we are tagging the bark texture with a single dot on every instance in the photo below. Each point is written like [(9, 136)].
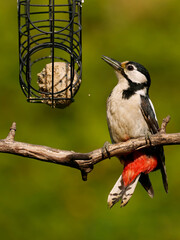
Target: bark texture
[(85, 161)]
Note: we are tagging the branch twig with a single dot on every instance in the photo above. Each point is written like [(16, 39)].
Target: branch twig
[(84, 161), (164, 124)]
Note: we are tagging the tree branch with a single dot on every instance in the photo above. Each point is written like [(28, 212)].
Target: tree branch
[(85, 161)]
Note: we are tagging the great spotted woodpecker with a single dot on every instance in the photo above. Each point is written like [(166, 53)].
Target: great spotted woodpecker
[(130, 114)]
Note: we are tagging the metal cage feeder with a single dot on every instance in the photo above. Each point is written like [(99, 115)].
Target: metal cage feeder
[(50, 50)]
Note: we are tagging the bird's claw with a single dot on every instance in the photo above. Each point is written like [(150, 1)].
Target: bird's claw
[(148, 138), (105, 150)]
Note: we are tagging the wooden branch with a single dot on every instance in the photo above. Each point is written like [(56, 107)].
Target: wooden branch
[(84, 161)]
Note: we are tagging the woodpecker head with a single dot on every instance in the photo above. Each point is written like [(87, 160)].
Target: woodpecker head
[(132, 75)]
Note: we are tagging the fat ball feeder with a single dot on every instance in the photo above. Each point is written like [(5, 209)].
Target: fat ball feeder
[(50, 50)]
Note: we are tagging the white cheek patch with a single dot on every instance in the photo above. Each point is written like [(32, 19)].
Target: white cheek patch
[(135, 76)]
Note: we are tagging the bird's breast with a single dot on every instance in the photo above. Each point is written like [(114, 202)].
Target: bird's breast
[(124, 117)]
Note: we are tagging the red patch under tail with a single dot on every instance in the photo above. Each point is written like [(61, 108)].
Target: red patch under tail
[(139, 163)]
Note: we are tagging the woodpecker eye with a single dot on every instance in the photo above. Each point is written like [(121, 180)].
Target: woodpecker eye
[(130, 67)]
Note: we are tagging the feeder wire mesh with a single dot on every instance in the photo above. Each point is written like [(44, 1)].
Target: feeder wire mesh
[(50, 50)]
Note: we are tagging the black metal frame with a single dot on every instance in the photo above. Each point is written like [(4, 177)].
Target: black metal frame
[(45, 29)]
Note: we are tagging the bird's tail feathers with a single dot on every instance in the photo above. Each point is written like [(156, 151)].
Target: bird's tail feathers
[(146, 183), (164, 177), (163, 168), (119, 191)]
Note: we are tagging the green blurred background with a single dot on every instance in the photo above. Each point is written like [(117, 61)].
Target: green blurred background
[(45, 201)]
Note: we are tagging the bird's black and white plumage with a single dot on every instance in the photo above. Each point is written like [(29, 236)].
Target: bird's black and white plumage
[(130, 114)]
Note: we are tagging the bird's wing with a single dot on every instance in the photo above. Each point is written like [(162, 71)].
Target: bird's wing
[(149, 114)]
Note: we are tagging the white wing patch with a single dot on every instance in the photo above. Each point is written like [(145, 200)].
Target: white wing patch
[(153, 109)]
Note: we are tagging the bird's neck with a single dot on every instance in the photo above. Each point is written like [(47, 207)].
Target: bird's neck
[(125, 91), (134, 88), (128, 88)]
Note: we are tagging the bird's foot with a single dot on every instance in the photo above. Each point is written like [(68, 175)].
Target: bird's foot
[(105, 150), (148, 138)]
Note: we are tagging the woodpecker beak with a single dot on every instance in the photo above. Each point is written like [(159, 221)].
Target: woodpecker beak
[(113, 63)]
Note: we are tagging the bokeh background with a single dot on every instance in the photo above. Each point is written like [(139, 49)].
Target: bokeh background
[(45, 201)]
